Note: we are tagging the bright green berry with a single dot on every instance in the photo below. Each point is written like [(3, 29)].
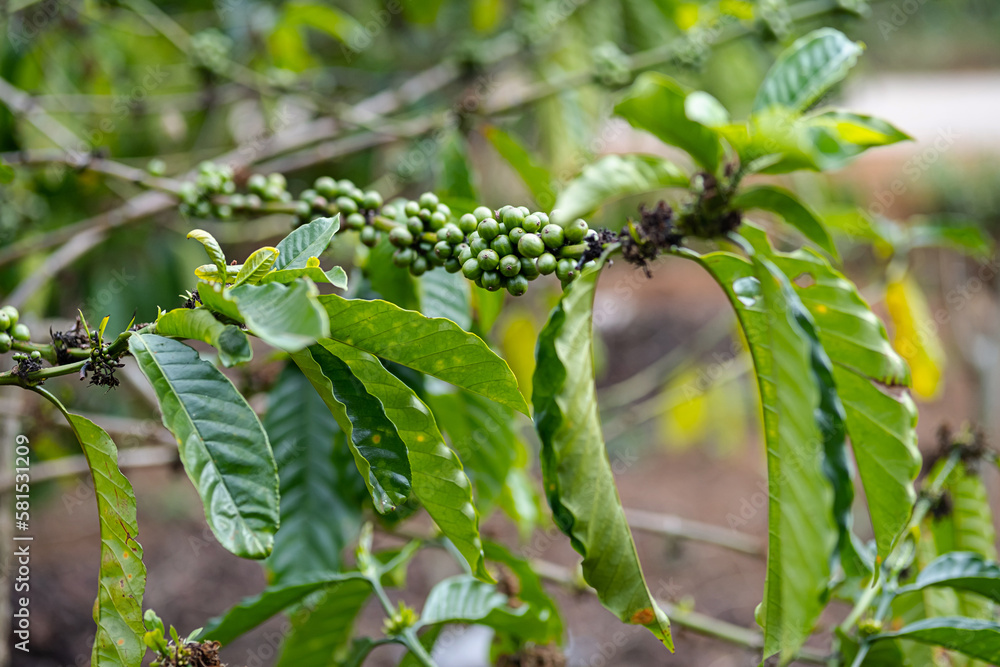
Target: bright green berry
[(372, 201), (346, 205), (302, 209), (257, 183), (4, 321), (442, 250), (531, 245), (477, 244), (425, 214), (510, 265), (524, 210), (438, 220), (403, 256), (488, 229), (491, 280), (411, 208), (452, 265), (452, 234), (400, 237), (307, 195), (468, 223), (517, 285), (576, 230), (156, 167), (513, 217), (370, 236), (444, 210), (516, 234), (36, 355), (532, 223), (345, 187), (20, 332), (415, 226), (419, 266), (481, 213), (546, 263), (277, 180), (528, 268), (552, 235), (471, 269), (464, 253), (429, 200), (326, 186), (355, 221), (502, 245), (12, 316), (566, 269), (357, 194), (488, 260), (5, 343), (542, 217), (389, 211)]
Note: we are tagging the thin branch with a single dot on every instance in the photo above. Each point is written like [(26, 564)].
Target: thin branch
[(670, 525), (142, 457), (22, 105)]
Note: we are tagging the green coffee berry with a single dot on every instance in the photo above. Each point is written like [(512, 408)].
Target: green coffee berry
[(36, 355), (543, 218), (327, 187), (4, 321), (429, 200), (576, 230), (442, 250), (225, 212), (477, 244), (452, 234), (355, 221), (369, 236), (452, 265), (238, 201), (318, 203), (471, 269), (156, 167), (372, 201), (528, 268), (357, 194), (253, 202), (403, 257), (307, 195), (502, 245), (345, 187), (532, 223), (12, 315), (464, 252), (517, 285), (438, 220), (481, 213), (566, 269), (524, 210), (491, 280), (510, 265), (203, 209), (502, 227), (400, 237), (302, 209), (546, 263), (389, 211), (188, 193), (552, 235), (516, 234), (488, 229), (20, 332), (277, 180), (411, 208), (513, 217), (419, 266), (588, 265), (424, 214), (488, 260), (5, 343), (531, 245), (468, 223), (346, 205), (444, 210), (415, 226)]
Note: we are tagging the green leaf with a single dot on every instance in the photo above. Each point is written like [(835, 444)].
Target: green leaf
[(378, 450), (199, 324), (222, 444), (446, 295), (785, 204), (537, 178), (118, 609), (335, 276), (256, 266), (455, 178), (656, 103), (465, 599), (808, 486), (969, 239), (320, 490), (837, 136), (436, 347), (575, 468), (963, 571), (392, 283), (309, 240), (976, 638), (254, 610), (210, 273), (6, 173), (439, 481), (211, 247), (288, 317), (881, 419), (806, 70), (323, 628), (613, 177), (549, 625)]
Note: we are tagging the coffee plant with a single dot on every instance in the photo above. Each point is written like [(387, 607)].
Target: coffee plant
[(381, 404)]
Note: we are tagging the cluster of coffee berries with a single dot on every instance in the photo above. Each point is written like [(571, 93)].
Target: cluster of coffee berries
[(357, 207), (11, 329), (425, 235), (213, 179)]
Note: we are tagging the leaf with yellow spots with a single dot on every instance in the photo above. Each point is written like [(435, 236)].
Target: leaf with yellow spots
[(118, 608), (916, 337)]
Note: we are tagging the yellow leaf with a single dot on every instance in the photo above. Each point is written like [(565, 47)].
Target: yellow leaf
[(915, 337), (518, 339)]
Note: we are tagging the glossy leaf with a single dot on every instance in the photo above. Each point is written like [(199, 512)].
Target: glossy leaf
[(870, 377), (211, 247), (613, 177), (786, 205), (210, 272), (379, 452), (808, 485), (976, 638), (309, 240), (320, 490), (254, 610), (288, 317), (465, 599), (837, 136), (118, 609), (199, 324), (656, 103), (256, 266), (806, 70), (438, 480), (335, 276), (531, 590), (222, 444), (323, 628), (436, 347), (446, 295), (960, 570), (575, 468)]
